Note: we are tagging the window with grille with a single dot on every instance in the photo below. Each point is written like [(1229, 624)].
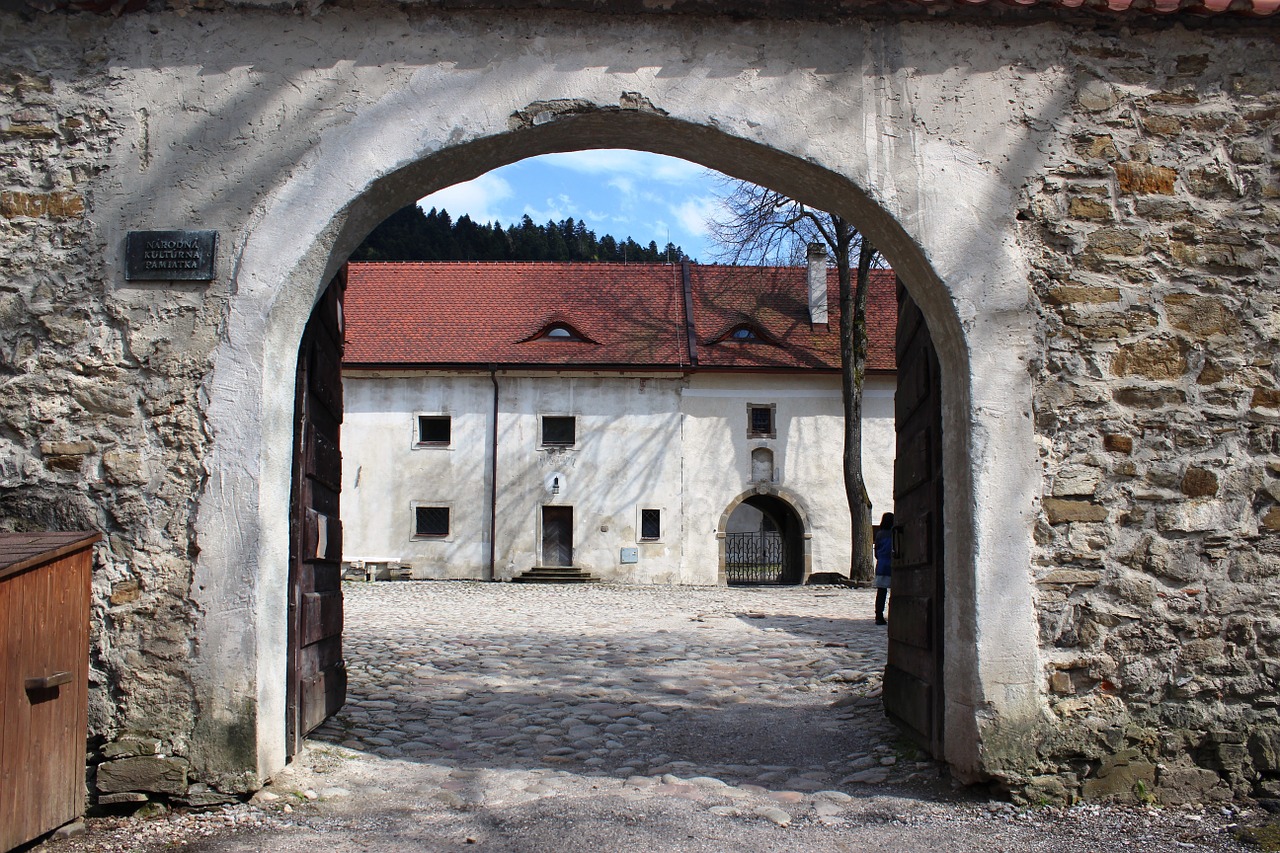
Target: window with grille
[(434, 429), (558, 431), (431, 521), (650, 524), (760, 421)]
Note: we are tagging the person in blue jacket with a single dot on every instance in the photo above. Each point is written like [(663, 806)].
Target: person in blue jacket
[(884, 563)]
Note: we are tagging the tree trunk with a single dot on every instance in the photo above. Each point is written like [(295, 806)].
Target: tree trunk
[(853, 363)]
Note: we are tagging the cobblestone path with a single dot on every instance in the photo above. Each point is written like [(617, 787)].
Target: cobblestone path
[(525, 719), (769, 687)]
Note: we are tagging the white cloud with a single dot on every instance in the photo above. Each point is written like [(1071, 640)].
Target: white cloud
[(628, 165), (616, 191), (693, 213), (622, 184), (554, 209), (478, 199)]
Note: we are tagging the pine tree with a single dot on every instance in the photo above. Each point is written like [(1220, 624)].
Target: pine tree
[(409, 234)]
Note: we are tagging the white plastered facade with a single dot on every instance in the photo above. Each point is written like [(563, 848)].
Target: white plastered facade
[(677, 445), (294, 155)]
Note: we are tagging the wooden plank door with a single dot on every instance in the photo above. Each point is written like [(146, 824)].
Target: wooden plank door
[(44, 673), (317, 685), (913, 694), (557, 536)]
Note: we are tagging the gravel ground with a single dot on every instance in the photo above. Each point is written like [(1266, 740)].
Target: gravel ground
[(508, 717)]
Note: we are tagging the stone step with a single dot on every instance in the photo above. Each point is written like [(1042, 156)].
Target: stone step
[(556, 580), (556, 574)]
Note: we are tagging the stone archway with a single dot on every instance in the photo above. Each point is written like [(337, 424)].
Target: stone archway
[(789, 526), (362, 172)]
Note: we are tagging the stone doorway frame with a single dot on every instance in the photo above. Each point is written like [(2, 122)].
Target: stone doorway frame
[(793, 503), (303, 233)]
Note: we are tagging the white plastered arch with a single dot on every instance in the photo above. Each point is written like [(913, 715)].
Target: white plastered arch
[(412, 142)]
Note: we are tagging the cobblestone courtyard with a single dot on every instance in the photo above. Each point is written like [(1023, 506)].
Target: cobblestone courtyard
[(560, 719), (776, 687)]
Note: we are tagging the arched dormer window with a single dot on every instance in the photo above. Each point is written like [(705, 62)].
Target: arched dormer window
[(560, 332), (743, 333)]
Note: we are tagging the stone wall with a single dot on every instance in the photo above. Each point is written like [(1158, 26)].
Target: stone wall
[(1155, 249), (100, 420)]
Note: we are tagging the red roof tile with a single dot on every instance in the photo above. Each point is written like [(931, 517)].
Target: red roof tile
[(776, 301), (631, 315)]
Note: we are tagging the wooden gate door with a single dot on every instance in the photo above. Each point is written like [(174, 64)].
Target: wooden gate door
[(44, 676), (913, 677), (557, 536), (317, 685)]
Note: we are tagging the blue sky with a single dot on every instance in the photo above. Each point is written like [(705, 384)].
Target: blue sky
[(623, 193)]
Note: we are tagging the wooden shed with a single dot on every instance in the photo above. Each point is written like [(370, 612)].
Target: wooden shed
[(44, 672)]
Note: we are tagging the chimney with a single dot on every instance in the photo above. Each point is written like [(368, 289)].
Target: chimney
[(817, 284)]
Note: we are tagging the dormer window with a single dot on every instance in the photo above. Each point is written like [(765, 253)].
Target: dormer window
[(560, 332), (743, 333)]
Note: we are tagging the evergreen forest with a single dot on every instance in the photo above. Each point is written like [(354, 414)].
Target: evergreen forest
[(410, 234)]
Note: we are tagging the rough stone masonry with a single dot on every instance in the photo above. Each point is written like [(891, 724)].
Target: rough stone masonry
[(1156, 416), (1085, 206)]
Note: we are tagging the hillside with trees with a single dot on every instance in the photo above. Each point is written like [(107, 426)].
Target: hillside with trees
[(411, 234)]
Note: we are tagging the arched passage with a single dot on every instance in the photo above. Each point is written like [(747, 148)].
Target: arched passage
[(763, 540), (364, 171)]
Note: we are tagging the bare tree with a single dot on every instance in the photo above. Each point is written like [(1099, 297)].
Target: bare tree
[(759, 225)]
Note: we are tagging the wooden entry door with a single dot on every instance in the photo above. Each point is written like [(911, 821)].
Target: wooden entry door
[(557, 536), (913, 677), (317, 680)]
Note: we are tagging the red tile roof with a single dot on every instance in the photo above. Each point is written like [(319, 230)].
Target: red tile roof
[(631, 315), (776, 300)]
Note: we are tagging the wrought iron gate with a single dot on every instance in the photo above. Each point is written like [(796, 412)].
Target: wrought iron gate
[(756, 558)]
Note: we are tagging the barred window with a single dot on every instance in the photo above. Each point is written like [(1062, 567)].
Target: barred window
[(431, 521), (558, 431), (760, 421), (650, 524)]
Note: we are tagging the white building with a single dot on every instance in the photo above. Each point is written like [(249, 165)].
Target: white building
[(645, 423)]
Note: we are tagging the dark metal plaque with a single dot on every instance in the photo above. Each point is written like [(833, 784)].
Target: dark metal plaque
[(170, 255)]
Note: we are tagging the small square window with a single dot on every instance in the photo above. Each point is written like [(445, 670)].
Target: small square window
[(431, 521), (434, 429), (558, 431), (650, 524), (760, 422)]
